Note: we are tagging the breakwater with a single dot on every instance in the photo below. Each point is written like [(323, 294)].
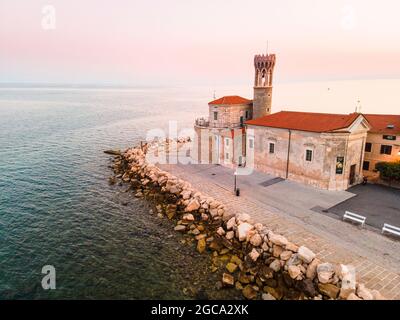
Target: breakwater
[(249, 256)]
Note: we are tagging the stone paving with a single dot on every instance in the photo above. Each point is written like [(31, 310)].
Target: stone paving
[(286, 208), (380, 204)]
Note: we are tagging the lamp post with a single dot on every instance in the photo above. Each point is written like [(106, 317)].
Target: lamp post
[(235, 175)]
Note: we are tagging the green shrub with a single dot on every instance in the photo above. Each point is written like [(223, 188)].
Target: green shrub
[(389, 170)]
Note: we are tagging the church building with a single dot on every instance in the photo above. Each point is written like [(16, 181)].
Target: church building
[(327, 151)]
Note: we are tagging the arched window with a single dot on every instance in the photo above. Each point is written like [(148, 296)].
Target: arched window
[(264, 78)]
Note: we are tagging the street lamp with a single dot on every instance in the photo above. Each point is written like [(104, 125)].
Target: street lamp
[(236, 189), (235, 175)]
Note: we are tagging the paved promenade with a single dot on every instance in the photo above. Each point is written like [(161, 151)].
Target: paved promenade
[(291, 209)]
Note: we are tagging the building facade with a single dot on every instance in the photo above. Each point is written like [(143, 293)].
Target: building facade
[(383, 143), (322, 150)]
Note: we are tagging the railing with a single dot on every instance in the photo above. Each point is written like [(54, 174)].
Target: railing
[(202, 122)]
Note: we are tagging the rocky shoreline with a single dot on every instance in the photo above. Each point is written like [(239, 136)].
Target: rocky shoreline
[(249, 256)]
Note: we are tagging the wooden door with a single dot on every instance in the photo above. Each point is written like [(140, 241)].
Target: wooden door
[(352, 177)]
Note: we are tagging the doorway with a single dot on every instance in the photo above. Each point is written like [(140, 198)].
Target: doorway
[(352, 177), (217, 149)]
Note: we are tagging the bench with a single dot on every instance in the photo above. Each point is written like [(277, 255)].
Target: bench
[(391, 229), (354, 217)]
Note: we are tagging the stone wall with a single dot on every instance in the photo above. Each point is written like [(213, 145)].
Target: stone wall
[(228, 115), (262, 101), (257, 261)]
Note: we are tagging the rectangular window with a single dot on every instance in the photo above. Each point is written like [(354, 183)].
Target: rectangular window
[(388, 137), (227, 142), (339, 165), (308, 155), (251, 143), (366, 165), (386, 149), (226, 156), (215, 115), (368, 147), (247, 114), (272, 148)]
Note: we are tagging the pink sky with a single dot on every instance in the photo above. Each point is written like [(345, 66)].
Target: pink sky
[(197, 42)]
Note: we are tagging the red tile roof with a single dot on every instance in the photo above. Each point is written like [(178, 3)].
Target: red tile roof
[(230, 100), (306, 121), (379, 123)]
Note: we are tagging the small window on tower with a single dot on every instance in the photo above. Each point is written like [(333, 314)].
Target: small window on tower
[(215, 115), (272, 147), (308, 155), (251, 143)]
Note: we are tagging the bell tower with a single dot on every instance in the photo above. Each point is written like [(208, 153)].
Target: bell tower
[(264, 70)]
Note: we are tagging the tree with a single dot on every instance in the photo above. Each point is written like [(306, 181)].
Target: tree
[(389, 170)]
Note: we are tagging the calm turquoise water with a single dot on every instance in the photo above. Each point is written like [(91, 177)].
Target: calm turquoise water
[(57, 208)]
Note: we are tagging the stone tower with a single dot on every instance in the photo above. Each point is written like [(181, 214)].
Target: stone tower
[(264, 70)]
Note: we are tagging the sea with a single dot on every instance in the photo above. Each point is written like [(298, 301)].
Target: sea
[(57, 208)]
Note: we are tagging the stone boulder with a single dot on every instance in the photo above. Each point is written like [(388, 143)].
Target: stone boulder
[(249, 292), (277, 239), (267, 296), (285, 255), (180, 228), (230, 235), (294, 271), (256, 240), (294, 260), (243, 230), (329, 290), (231, 267), (292, 247), (312, 269), (276, 251), (325, 272), (231, 223), (305, 254), (228, 280), (188, 217), (192, 206), (348, 276), (221, 231), (201, 245), (186, 194), (254, 254), (275, 265)]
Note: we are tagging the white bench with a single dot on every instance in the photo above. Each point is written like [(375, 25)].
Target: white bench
[(354, 217), (391, 229)]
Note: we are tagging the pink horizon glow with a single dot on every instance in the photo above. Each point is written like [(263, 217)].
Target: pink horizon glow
[(193, 42)]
